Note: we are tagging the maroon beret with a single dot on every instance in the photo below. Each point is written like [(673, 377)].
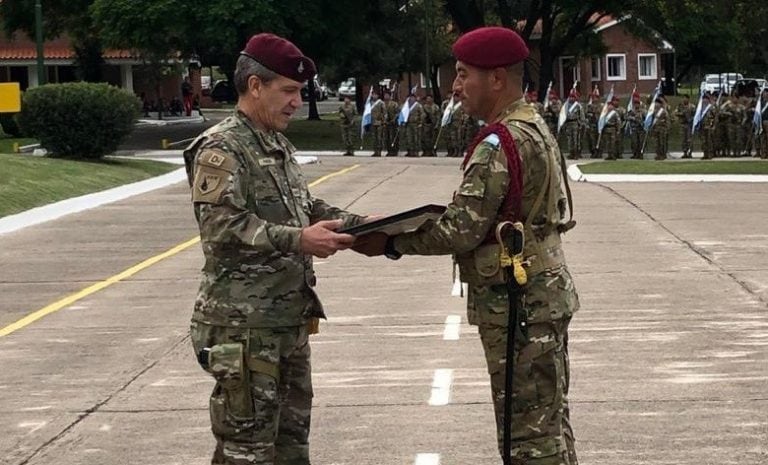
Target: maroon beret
[(490, 47), (281, 56)]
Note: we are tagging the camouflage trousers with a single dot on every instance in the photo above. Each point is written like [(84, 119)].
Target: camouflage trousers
[(541, 429), (592, 139), (687, 139), (379, 139), (453, 141), (636, 138), (661, 136), (573, 133), (347, 138), (764, 143), (391, 143), (412, 139), (260, 407), (608, 143), (428, 139), (708, 144), (734, 140)]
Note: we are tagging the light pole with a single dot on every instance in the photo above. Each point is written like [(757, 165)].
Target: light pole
[(41, 77)]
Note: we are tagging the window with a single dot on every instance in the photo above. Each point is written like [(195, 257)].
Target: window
[(616, 67), (596, 74), (646, 66)]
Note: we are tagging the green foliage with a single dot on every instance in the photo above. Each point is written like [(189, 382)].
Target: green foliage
[(10, 127), (78, 119)]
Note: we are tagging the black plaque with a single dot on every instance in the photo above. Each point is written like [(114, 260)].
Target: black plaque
[(399, 223)]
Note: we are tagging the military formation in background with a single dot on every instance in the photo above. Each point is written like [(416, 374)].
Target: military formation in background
[(415, 127), (725, 126)]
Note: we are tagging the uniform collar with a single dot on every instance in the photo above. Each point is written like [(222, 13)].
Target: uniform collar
[(269, 141)]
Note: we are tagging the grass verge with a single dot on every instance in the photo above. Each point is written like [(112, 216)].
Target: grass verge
[(676, 167), (6, 145), (27, 182)]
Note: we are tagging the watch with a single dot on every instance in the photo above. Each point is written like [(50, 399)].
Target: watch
[(389, 249)]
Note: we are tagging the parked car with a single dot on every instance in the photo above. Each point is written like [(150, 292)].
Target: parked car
[(347, 89), (319, 93), (723, 82), (749, 87), (223, 91)]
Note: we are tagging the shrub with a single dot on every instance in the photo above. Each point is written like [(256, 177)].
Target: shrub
[(9, 126), (78, 119)]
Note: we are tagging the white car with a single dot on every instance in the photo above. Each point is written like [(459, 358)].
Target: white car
[(723, 82), (347, 89)]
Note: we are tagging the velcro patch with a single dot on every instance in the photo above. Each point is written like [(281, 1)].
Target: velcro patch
[(215, 159), (208, 183), (267, 162)]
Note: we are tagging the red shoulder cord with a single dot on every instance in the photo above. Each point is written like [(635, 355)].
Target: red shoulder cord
[(512, 208)]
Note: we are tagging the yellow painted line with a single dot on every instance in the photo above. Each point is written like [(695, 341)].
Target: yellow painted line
[(71, 299), (329, 176)]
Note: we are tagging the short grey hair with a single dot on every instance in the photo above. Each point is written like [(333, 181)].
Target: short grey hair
[(247, 67)]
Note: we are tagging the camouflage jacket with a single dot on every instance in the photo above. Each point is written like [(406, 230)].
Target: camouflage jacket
[(685, 113), (347, 114), (475, 211), (636, 117), (251, 202), (574, 113), (709, 120), (432, 115), (378, 113), (393, 109), (415, 115), (661, 120)]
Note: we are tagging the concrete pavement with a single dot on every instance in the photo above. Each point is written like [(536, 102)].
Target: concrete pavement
[(669, 351)]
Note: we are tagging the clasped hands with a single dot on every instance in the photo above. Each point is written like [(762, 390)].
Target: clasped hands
[(322, 240)]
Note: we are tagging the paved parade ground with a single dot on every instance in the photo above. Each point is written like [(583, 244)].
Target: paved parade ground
[(669, 351)]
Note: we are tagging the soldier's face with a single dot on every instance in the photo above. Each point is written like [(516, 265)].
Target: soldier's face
[(275, 102), (472, 87)]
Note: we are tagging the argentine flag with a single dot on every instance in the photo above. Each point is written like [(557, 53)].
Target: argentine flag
[(699, 114), (604, 113), (652, 109), (366, 120), (448, 112)]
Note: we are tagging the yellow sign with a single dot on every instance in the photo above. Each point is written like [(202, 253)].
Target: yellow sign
[(10, 97)]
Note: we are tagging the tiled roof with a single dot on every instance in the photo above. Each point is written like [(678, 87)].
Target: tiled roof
[(20, 47)]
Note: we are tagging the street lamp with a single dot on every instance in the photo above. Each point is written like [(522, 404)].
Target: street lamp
[(41, 77)]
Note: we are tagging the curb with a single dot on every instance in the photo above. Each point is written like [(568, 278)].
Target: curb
[(576, 175)]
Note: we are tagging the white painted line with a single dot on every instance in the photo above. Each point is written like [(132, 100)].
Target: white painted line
[(459, 289), (452, 327), (576, 175), (441, 387), (427, 459), (77, 204)]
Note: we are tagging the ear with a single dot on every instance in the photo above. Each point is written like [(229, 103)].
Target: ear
[(255, 85), (497, 78)]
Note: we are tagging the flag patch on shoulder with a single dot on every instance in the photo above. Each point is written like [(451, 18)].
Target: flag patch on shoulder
[(492, 139)]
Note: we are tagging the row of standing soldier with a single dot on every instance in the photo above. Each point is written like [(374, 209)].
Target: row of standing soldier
[(726, 131), (418, 133)]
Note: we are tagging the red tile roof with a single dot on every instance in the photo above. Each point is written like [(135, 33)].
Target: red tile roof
[(20, 47), (600, 21)]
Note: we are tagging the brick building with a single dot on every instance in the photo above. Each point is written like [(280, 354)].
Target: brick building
[(122, 68)]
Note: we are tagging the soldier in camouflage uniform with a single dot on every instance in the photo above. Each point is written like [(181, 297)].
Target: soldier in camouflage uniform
[(574, 121), (724, 116), (684, 113), (552, 112), (392, 110), (708, 127), (660, 129), (748, 128), (764, 135), (735, 123), (536, 104), (378, 123), (610, 132), (432, 117), (347, 114), (635, 120), (259, 228), (453, 128), (541, 430), (594, 107), (413, 126)]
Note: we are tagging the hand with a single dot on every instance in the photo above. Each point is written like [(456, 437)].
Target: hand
[(371, 245), (321, 241)]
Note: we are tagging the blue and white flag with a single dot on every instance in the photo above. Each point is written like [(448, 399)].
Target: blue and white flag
[(698, 115), (649, 118), (758, 118), (546, 99), (402, 117), (366, 120), (604, 113), (448, 112)]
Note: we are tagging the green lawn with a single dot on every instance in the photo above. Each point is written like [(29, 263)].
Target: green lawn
[(676, 167), (27, 181)]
